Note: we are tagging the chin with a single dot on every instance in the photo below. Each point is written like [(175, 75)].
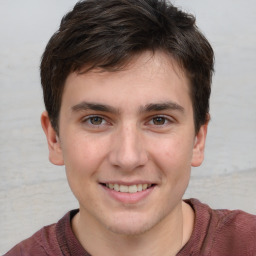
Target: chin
[(130, 230), (131, 225)]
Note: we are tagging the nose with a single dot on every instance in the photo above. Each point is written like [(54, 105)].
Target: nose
[(127, 149)]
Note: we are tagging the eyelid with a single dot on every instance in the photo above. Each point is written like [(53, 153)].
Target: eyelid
[(169, 119), (88, 117)]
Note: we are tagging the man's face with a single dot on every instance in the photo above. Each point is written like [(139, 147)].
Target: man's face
[(132, 130)]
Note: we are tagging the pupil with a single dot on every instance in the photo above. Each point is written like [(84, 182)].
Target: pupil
[(96, 120), (159, 120)]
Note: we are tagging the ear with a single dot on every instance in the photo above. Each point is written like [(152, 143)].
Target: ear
[(199, 146), (54, 145)]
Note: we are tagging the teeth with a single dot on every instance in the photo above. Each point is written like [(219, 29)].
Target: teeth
[(128, 189), (144, 186), (123, 188), (133, 189), (139, 187), (116, 187)]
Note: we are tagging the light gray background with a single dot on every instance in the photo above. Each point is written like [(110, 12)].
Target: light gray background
[(34, 193)]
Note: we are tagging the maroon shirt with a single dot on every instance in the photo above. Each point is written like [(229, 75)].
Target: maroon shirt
[(216, 233)]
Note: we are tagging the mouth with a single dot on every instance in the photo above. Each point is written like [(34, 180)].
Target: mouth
[(134, 188)]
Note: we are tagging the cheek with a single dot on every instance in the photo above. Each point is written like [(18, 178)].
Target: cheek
[(82, 158), (83, 152), (174, 162), (176, 153)]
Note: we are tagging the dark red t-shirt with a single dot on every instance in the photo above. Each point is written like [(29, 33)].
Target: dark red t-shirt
[(216, 233)]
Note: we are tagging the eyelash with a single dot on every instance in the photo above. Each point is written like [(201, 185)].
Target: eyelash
[(167, 120), (88, 120)]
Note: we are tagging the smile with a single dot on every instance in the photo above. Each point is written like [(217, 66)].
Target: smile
[(128, 189), (128, 193)]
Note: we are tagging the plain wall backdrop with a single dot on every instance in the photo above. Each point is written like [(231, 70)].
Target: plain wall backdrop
[(34, 193)]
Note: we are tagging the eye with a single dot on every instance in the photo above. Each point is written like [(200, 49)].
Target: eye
[(96, 120), (159, 120)]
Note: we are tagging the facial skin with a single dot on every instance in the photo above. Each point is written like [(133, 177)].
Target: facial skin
[(128, 127)]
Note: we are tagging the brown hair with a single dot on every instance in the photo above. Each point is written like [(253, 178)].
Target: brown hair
[(106, 34)]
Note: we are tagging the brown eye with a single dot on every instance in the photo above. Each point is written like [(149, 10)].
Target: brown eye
[(159, 120), (96, 120)]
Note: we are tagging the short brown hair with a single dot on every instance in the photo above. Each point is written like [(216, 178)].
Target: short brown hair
[(106, 34)]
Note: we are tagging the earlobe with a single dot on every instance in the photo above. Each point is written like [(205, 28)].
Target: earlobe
[(199, 146), (54, 146)]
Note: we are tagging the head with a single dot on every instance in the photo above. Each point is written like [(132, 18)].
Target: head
[(107, 35), (126, 87)]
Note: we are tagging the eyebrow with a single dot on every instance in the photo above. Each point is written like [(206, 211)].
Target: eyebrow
[(162, 106), (83, 106), (152, 107)]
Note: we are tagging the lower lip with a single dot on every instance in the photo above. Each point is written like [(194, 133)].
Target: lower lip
[(129, 198)]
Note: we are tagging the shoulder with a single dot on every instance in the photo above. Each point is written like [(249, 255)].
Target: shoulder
[(43, 242), (48, 241), (226, 232), (236, 227), (223, 219), (236, 219)]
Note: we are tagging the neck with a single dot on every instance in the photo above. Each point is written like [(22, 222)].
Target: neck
[(166, 238)]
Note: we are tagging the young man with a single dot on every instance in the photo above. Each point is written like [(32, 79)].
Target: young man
[(126, 87)]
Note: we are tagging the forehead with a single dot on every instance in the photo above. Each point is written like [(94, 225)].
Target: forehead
[(147, 77)]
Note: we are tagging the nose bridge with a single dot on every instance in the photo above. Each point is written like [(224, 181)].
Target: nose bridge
[(128, 151)]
